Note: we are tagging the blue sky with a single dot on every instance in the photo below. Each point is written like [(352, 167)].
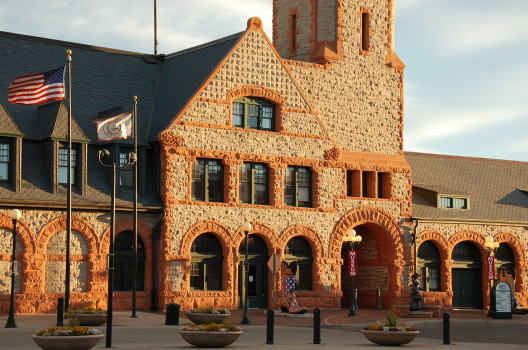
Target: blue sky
[(466, 81)]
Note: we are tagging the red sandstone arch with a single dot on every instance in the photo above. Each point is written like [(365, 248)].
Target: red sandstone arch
[(127, 224), (380, 223), (306, 232), (265, 231), (470, 236), (24, 233), (224, 236), (439, 240), (520, 257), (79, 225)]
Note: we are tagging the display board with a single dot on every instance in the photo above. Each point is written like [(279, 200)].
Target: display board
[(501, 301)]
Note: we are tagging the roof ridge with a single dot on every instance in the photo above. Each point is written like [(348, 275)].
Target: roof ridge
[(70, 44), (435, 155), (203, 46)]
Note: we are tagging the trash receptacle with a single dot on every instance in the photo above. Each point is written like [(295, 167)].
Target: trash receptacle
[(172, 317)]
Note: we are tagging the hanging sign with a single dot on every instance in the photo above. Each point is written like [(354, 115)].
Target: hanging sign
[(491, 268), (352, 263)]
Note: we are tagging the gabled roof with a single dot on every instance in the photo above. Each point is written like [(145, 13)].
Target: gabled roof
[(53, 123), (493, 186), (8, 126)]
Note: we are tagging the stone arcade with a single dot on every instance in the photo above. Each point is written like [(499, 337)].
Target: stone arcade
[(300, 134)]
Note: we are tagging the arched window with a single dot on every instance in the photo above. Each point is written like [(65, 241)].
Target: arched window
[(466, 251), (206, 263), (429, 266), (504, 257), (123, 264), (256, 246), (298, 249), (253, 113)]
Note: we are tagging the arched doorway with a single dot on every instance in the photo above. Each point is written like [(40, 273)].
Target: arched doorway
[(258, 256), (124, 273), (467, 276), (372, 270), (206, 263), (429, 264)]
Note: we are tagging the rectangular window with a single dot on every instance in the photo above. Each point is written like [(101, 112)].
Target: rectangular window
[(380, 185), (207, 180), (460, 203), (304, 277), (238, 115), (365, 31), (293, 31), (253, 113), (446, 202), (206, 275), (453, 203), (254, 183), (364, 183), (63, 164), (126, 175), (298, 187), (430, 280), (197, 276), (5, 155)]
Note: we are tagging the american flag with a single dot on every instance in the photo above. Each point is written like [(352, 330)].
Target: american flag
[(37, 88)]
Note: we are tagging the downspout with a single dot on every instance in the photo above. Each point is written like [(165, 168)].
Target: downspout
[(156, 233), (415, 241)]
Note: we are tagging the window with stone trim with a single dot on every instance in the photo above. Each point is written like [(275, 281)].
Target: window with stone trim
[(299, 250), (207, 180), (5, 158), (429, 264), (298, 186), (63, 163), (365, 31), (123, 265), (254, 183), (253, 113), (126, 175), (206, 263)]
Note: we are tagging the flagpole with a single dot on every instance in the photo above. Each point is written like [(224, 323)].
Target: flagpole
[(134, 259), (69, 185)]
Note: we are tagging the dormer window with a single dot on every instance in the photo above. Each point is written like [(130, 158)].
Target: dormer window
[(452, 203), (5, 152), (63, 164), (253, 113)]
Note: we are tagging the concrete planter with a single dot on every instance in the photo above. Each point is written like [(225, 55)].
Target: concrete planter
[(200, 318), (81, 342), (390, 338), (210, 339), (89, 319)]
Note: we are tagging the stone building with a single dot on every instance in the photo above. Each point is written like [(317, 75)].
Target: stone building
[(301, 135)]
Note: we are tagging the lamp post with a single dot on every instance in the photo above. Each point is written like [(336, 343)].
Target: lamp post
[(245, 320), (15, 215), (105, 154), (350, 236), (490, 246)]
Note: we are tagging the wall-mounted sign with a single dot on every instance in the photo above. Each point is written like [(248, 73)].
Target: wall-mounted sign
[(250, 278), (352, 263), (491, 268), (501, 301)]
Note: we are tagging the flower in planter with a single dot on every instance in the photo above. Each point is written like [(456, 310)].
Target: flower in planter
[(86, 310), (390, 326), (225, 326), (209, 310), (67, 331)]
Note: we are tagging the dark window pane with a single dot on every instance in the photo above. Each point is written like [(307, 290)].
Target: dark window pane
[(261, 174), (257, 246), (206, 243), (213, 276), (298, 246), (305, 277), (466, 251), (504, 252), (261, 194), (196, 276), (289, 198), (252, 118), (289, 177), (216, 189), (428, 251), (245, 193), (238, 114), (434, 278), (198, 175)]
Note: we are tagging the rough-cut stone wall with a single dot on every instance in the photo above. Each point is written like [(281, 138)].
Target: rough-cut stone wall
[(41, 259), (326, 20), (447, 235), (304, 20)]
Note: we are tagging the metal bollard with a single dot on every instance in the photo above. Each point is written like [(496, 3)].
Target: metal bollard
[(378, 299), (317, 326), (355, 299), (271, 324), (447, 335), (60, 312)]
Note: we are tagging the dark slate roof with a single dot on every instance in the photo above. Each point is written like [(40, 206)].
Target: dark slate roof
[(104, 81), (494, 186), (7, 124)]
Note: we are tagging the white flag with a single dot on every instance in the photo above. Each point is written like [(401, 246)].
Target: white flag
[(114, 128)]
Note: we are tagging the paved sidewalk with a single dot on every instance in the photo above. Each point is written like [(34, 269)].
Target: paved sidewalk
[(148, 331)]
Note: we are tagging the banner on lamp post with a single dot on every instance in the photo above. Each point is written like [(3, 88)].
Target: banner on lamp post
[(352, 263), (491, 268)]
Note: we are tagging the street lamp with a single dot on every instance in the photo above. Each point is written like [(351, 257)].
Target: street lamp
[(105, 154), (350, 236), (15, 215), (491, 246), (245, 320)]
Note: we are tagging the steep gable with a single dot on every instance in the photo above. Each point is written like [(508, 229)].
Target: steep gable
[(252, 68), (8, 126)]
